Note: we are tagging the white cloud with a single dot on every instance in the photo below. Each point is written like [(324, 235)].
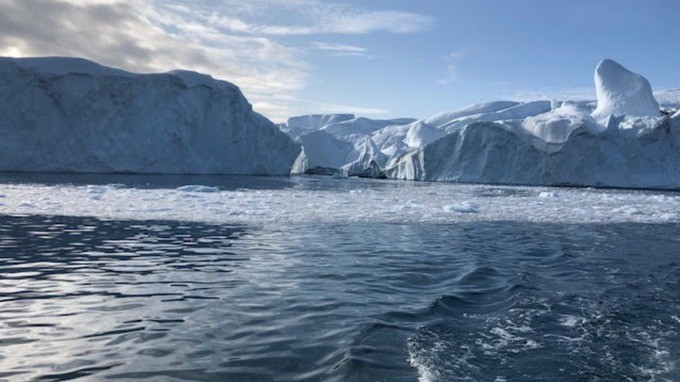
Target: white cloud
[(451, 70), (341, 49), (233, 40)]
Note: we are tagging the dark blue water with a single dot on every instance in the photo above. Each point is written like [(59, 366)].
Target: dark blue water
[(503, 301)]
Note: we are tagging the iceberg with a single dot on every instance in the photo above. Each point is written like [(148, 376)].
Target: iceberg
[(73, 115), (488, 152), (624, 142), (338, 144), (624, 139)]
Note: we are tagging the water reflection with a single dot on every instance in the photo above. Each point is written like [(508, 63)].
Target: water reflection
[(80, 296)]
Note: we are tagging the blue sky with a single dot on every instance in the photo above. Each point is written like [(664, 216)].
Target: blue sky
[(378, 58)]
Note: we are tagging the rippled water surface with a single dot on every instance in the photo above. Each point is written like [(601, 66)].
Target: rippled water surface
[(166, 300)]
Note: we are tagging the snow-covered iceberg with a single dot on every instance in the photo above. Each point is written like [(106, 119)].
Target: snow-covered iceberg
[(624, 142), (624, 139), (73, 115)]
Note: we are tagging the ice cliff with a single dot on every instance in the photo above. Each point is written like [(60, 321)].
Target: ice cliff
[(624, 139), (73, 115)]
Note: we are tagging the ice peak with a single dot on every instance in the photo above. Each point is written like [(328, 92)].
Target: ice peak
[(622, 92)]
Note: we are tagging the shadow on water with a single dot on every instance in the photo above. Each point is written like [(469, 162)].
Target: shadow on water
[(499, 301), (151, 181)]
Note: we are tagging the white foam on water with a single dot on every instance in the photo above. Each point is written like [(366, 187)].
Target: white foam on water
[(571, 321), (345, 201), (662, 362), (423, 362)]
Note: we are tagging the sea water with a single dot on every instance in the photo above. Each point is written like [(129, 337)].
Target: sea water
[(320, 279)]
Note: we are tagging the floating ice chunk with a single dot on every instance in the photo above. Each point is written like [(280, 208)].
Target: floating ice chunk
[(94, 189), (547, 194), (463, 208), (629, 210), (198, 188), (622, 92)]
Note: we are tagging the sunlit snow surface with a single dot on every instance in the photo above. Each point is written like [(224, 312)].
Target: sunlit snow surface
[(328, 200)]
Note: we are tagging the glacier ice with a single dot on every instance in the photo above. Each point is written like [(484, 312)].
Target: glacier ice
[(621, 140), (73, 115)]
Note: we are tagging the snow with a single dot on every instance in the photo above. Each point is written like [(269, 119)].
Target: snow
[(477, 109), (668, 99), (318, 200), (73, 115), (556, 126), (622, 92)]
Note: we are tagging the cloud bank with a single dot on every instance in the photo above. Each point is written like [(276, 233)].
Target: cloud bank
[(238, 41)]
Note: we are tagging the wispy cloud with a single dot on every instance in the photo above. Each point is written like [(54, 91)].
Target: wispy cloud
[(341, 49), (301, 17), (234, 40), (451, 69)]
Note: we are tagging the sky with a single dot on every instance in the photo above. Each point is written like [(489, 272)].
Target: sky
[(374, 58)]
